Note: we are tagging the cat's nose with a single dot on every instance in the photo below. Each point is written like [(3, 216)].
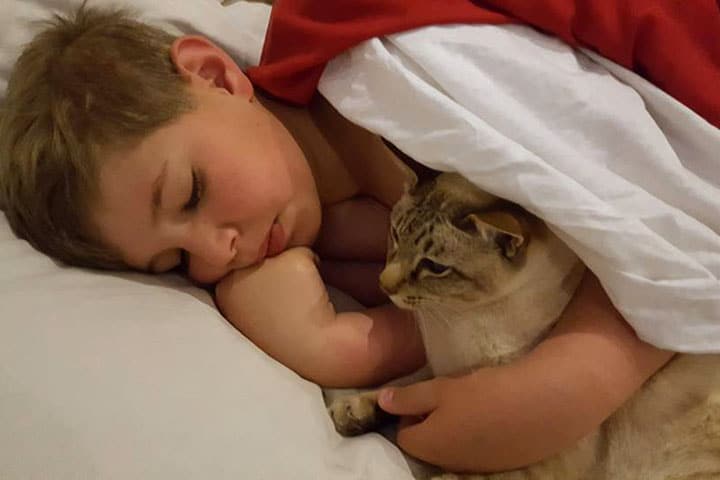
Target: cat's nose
[(390, 278)]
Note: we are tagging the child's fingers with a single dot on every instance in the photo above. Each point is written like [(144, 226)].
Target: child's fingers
[(418, 438), (408, 421), (410, 436), (416, 399), (437, 440)]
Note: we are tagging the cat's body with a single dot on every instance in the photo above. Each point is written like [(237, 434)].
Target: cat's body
[(459, 337), (487, 280)]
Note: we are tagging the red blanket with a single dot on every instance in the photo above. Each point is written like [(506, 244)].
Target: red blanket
[(675, 44)]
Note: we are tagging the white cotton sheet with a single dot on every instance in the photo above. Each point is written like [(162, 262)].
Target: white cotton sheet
[(127, 376), (626, 175)]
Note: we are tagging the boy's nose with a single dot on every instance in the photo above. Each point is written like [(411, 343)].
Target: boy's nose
[(215, 247)]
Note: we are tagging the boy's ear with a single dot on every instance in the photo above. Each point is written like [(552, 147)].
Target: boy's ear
[(202, 62)]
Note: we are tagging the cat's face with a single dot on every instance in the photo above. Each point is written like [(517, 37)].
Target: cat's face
[(451, 243)]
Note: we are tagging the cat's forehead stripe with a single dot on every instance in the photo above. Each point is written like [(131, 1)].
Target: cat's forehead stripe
[(428, 246)]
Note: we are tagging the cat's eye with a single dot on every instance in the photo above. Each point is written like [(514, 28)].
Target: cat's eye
[(435, 268)]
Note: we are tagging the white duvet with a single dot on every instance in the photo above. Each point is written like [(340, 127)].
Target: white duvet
[(626, 175)]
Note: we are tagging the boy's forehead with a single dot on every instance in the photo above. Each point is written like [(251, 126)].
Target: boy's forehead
[(122, 214), (127, 177), (141, 156), (128, 168)]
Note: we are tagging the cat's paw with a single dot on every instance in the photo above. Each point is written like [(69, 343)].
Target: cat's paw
[(356, 414)]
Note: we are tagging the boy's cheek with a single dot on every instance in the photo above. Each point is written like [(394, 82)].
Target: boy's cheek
[(206, 274)]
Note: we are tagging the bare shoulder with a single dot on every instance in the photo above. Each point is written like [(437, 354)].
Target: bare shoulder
[(378, 171)]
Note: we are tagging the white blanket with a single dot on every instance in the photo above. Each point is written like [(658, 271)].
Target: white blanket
[(626, 175)]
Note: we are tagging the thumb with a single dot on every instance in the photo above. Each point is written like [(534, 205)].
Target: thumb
[(417, 399)]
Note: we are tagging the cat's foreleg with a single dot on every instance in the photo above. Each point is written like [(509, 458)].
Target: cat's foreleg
[(359, 413)]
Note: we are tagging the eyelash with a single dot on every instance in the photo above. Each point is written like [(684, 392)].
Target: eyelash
[(184, 262), (195, 193)]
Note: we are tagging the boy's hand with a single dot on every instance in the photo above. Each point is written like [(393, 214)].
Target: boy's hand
[(431, 419), (443, 421), (291, 272)]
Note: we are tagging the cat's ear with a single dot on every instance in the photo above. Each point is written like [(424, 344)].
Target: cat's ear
[(502, 228)]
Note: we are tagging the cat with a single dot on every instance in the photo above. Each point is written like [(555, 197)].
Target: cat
[(487, 280)]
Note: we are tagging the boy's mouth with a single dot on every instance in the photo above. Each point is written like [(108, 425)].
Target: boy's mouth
[(274, 242), (277, 239)]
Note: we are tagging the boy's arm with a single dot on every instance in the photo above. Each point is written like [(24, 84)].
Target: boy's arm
[(352, 243), (357, 279), (511, 416), (283, 307)]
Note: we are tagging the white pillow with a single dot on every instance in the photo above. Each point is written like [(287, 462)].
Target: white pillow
[(127, 376)]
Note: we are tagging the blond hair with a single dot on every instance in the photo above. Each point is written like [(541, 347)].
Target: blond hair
[(90, 80)]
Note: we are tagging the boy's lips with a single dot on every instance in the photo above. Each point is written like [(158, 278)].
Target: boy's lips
[(278, 240), (274, 242)]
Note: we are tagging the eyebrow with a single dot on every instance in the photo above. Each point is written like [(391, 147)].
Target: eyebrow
[(157, 190)]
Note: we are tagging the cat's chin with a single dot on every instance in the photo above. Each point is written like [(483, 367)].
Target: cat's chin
[(455, 303), (420, 303), (403, 302)]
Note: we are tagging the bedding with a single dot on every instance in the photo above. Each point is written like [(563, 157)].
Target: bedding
[(622, 172), (670, 44), (128, 376)]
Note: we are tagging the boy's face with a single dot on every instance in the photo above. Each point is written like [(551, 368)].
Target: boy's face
[(220, 188)]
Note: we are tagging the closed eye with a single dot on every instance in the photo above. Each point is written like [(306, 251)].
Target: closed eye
[(184, 263), (195, 193)]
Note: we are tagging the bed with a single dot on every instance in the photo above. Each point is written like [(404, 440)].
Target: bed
[(122, 375)]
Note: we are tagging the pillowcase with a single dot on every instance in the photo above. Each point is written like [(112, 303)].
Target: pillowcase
[(124, 375)]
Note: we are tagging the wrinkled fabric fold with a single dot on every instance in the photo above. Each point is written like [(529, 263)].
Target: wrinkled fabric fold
[(625, 174)]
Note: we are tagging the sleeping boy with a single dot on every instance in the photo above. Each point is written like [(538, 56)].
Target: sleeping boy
[(122, 147)]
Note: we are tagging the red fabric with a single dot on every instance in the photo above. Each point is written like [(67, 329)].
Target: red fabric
[(674, 44), (304, 35)]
